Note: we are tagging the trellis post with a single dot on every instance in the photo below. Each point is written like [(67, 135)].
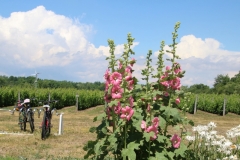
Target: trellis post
[(77, 101), (224, 106), (19, 96), (60, 130), (195, 105)]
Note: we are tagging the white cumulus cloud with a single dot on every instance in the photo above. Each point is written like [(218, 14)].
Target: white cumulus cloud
[(42, 38), (53, 44)]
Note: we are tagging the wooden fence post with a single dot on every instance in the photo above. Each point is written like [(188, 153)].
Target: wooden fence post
[(49, 96), (77, 101), (195, 105)]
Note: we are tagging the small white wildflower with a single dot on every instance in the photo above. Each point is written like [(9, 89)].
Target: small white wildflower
[(190, 138), (227, 152), (233, 157), (212, 125), (202, 133), (216, 143), (213, 132), (230, 134)]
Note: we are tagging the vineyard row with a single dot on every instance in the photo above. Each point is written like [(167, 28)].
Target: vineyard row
[(65, 97), (213, 103)]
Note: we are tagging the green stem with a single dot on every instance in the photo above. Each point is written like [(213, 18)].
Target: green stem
[(149, 146), (114, 121), (165, 129), (125, 138)]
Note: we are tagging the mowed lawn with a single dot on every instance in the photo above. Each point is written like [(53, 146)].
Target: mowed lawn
[(76, 133)]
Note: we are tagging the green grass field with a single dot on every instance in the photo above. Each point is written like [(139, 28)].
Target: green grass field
[(75, 133)]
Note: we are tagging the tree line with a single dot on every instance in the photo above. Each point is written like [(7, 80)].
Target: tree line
[(28, 82), (223, 84)]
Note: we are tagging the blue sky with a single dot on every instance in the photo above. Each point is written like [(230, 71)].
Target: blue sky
[(67, 40)]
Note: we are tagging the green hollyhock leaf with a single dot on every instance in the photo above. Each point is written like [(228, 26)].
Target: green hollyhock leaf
[(129, 151), (138, 86), (112, 140), (113, 103), (170, 155), (157, 93), (161, 156), (162, 122), (97, 147), (181, 150), (137, 119), (90, 144), (191, 122), (104, 130), (161, 138), (92, 129), (99, 117), (148, 135)]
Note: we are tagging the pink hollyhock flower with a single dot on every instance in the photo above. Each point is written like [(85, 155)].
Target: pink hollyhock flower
[(162, 77), (168, 68), (143, 125), (131, 100), (176, 140), (117, 92), (128, 77), (128, 69), (165, 83), (166, 94), (177, 100), (127, 113), (106, 86), (116, 78), (107, 75), (175, 83), (118, 108), (176, 71), (155, 122), (152, 129), (107, 97), (131, 84)]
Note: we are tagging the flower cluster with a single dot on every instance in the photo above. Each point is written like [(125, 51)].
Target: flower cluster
[(173, 83), (152, 128), (170, 80), (207, 138), (114, 90)]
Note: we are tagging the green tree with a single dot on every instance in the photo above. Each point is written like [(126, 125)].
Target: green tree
[(220, 82)]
